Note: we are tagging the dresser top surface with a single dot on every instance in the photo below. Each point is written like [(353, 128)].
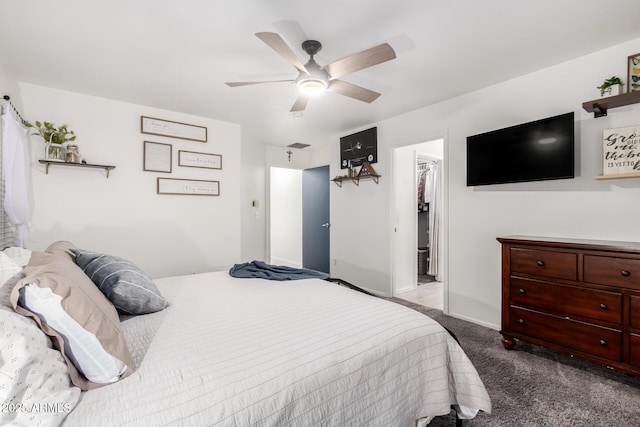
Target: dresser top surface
[(606, 245)]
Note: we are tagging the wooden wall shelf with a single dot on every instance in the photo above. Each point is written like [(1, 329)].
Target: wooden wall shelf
[(618, 176), (355, 179), (366, 171), (600, 106), (48, 163)]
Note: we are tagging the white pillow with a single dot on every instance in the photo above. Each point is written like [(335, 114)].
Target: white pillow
[(81, 347), (37, 389), (19, 255)]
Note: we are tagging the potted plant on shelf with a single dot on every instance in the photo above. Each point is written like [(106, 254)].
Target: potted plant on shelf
[(54, 138), (611, 86)]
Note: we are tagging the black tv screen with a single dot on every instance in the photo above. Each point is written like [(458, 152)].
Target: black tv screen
[(535, 151)]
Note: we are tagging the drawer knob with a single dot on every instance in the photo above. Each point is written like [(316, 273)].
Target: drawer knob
[(603, 343), (540, 263), (625, 273), (603, 306), (521, 291), (521, 321)]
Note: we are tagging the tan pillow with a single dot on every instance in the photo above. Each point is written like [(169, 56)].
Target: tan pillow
[(63, 249), (82, 301)]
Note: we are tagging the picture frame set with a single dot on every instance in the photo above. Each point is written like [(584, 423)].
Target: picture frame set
[(633, 73), (158, 157)]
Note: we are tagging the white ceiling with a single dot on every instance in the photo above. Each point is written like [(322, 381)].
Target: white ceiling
[(176, 55)]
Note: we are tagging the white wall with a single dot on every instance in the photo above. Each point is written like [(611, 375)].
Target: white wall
[(286, 217), (9, 87), (580, 208), (122, 215)]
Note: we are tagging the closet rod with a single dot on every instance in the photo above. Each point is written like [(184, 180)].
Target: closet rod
[(8, 99)]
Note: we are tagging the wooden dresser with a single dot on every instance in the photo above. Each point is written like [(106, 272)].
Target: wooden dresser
[(580, 297)]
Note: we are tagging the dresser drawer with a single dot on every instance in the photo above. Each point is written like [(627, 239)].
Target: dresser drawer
[(594, 304), (584, 337), (635, 349), (559, 265), (634, 309), (612, 271)]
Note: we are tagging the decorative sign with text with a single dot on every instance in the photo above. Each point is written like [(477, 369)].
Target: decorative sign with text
[(621, 151)]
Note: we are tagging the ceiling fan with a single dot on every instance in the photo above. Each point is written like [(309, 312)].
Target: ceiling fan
[(314, 79)]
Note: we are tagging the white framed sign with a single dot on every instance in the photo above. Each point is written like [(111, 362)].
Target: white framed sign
[(193, 187), (193, 159), (157, 157), (621, 150), (152, 126)]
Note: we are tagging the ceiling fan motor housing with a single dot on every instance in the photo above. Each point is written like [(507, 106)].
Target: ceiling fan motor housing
[(311, 47)]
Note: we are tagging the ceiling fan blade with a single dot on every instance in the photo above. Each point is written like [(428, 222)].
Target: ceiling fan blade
[(300, 104), (366, 58), (236, 84), (275, 42), (353, 91)]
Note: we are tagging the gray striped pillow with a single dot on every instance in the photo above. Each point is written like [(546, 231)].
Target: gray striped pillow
[(128, 288)]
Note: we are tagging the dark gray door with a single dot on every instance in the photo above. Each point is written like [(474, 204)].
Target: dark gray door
[(315, 218)]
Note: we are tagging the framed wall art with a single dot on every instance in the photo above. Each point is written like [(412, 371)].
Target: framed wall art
[(190, 187), (358, 148), (621, 151), (172, 129), (194, 159), (157, 157), (633, 73)]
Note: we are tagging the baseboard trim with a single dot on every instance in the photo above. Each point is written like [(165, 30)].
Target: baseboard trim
[(401, 290), (283, 261), (474, 320)]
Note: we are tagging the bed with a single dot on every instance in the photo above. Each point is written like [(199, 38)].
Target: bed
[(255, 352)]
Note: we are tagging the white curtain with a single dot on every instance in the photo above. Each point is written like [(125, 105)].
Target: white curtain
[(15, 172), (434, 219)]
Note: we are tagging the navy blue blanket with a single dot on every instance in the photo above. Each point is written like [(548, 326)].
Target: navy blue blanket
[(262, 270)]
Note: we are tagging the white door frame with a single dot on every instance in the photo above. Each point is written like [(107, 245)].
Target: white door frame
[(394, 244)]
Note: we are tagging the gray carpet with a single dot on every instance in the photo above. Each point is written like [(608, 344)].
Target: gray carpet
[(531, 386)]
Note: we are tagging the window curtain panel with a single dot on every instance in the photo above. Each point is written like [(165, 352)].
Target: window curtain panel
[(15, 173)]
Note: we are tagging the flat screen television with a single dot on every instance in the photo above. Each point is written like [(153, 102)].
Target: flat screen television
[(535, 151)]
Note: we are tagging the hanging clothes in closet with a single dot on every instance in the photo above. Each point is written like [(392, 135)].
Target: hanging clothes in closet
[(424, 186), (428, 205)]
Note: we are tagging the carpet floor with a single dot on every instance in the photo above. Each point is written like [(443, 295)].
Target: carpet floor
[(531, 386)]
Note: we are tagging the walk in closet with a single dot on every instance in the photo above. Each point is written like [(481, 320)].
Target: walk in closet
[(428, 218)]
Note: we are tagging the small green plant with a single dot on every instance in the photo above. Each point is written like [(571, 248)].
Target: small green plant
[(608, 83), (50, 133)]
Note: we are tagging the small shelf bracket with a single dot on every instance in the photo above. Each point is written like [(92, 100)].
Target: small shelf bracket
[(598, 110)]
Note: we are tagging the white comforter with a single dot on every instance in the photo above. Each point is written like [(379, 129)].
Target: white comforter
[(252, 352)]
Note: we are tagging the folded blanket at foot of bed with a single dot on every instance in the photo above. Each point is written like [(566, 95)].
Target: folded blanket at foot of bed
[(262, 270)]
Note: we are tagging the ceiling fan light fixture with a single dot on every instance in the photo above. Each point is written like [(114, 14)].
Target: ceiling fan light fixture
[(312, 86)]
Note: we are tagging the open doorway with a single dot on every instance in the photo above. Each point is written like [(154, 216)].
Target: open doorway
[(299, 218), (418, 262)]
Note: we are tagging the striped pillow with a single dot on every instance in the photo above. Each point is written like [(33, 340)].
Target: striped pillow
[(128, 288)]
